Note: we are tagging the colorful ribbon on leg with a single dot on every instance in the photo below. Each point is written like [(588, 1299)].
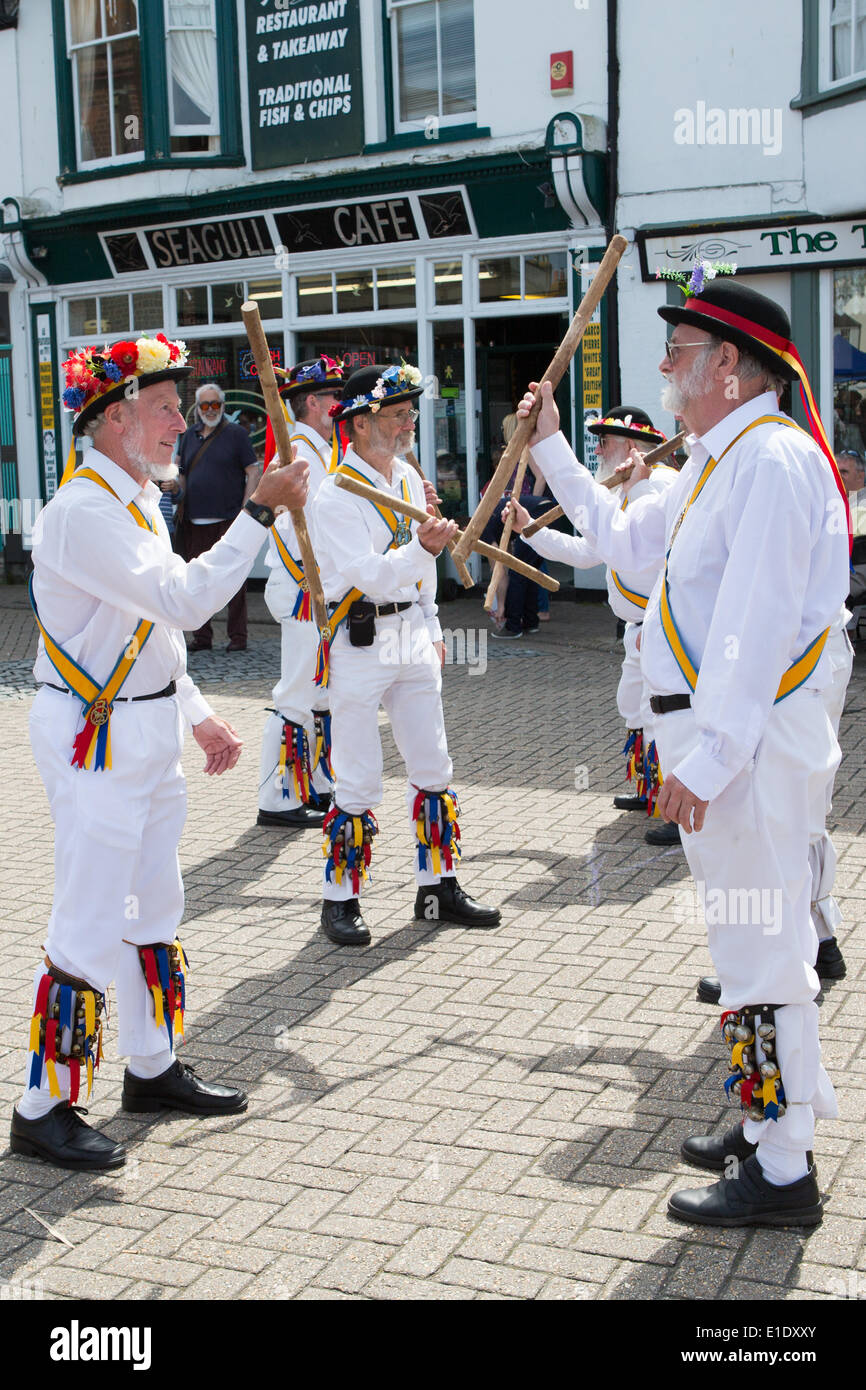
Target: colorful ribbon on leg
[(66, 1029), (635, 766), (438, 831), (165, 968), (348, 845), (321, 759), (755, 1075)]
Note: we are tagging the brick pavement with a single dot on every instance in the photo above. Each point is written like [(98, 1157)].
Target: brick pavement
[(446, 1115)]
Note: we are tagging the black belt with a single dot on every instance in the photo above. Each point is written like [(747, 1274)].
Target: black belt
[(666, 704), (170, 689), (384, 610)]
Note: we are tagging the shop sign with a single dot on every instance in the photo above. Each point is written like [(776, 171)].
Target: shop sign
[(375, 222), (786, 244), (304, 81), (591, 373), (247, 369), (47, 424), (209, 243)]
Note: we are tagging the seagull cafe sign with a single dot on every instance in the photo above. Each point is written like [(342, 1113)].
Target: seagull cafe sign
[(375, 222)]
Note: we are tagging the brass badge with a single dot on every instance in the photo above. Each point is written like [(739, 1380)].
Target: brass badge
[(99, 712)]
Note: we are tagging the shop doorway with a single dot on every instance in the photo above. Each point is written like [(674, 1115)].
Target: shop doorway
[(509, 353)]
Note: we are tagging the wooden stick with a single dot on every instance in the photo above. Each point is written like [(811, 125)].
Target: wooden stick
[(554, 374), (505, 538), (465, 577), (490, 552), (661, 451), (274, 406)]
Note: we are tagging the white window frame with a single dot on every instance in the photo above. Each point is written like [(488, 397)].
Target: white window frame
[(401, 126), (72, 50), (212, 128), (825, 48)]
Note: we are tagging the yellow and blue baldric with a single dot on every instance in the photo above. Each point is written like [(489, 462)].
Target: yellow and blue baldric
[(401, 534), (802, 668), (639, 600), (92, 747)]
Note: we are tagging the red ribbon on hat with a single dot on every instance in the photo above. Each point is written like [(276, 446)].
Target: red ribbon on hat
[(785, 349)]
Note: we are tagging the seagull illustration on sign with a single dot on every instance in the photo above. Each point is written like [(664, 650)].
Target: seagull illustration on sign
[(443, 214), (301, 231)]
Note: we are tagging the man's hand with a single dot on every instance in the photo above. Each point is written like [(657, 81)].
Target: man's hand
[(676, 803), (431, 499), (639, 470), (434, 535), (440, 652), (548, 417), (519, 515), (220, 744), (284, 485)]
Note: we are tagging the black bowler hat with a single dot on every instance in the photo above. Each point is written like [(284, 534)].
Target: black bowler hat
[(739, 315), (97, 378), (311, 377), (372, 387), (629, 422)]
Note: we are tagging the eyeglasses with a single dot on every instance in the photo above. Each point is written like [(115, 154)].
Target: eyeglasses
[(209, 405), (671, 348), (406, 417)]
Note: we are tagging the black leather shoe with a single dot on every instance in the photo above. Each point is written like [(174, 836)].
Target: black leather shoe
[(749, 1200), (199, 647), (319, 801), (830, 963), (61, 1137), (342, 922), (630, 803), (715, 1151), (446, 902), (301, 818), (709, 990), (664, 833), (236, 646), (178, 1088)]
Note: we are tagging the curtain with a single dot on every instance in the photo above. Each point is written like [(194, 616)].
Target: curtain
[(192, 58)]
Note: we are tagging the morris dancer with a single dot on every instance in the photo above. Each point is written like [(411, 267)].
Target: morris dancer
[(112, 601), (624, 428), (733, 648), (295, 777), (379, 576)]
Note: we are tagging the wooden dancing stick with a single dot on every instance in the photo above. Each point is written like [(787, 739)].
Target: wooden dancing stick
[(554, 374), (465, 577), (396, 504), (505, 538), (274, 406), (661, 451)]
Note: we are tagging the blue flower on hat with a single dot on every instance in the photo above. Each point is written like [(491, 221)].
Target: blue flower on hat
[(113, 372), (314, 373), (74, 397), (392, 374)]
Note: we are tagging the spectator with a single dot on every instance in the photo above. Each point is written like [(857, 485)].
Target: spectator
[(852, 470), (516, 606), (219, 474)]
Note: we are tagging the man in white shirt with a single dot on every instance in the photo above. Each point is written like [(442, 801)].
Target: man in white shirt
[(754, 531), (112, 601), (623, 428), (379, 577), (295, 776)]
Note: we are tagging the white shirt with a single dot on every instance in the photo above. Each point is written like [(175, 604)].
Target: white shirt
[(97, 572), (350, 540), (759, 568), (582, 554), (313, 449)]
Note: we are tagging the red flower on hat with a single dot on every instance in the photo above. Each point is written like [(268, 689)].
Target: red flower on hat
[(173, 349), (124, 356), (335, 409)]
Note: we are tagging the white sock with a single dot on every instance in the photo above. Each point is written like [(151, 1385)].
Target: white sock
[(146, 1068), (37, 1101), (782, 1166)]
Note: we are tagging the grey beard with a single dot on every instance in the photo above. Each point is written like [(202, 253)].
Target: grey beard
[(694, 385), (158, 472)]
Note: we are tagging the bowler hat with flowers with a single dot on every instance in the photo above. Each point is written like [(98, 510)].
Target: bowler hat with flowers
[(370, 388), (629, 422), (96, 378), (309, 378), (737, 314)]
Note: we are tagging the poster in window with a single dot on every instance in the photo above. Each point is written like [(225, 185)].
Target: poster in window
[(304, 79)]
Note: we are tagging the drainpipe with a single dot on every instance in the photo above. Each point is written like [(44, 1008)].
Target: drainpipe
[(611, 294)]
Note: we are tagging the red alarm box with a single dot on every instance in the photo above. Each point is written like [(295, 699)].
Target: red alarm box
[(562, 73)]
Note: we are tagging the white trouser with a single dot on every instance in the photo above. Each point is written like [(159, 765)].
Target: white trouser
[(751, 864), (295, 695), (117, 878), (822, 852), (632, 695), (400, 671)]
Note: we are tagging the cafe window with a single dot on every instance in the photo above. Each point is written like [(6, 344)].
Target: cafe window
[(448, 282), (221, 302), (228, 361), (847, 39), (433, 56), (356, 291), (541, 276), (145, 82), (108, 315), (849, 359)]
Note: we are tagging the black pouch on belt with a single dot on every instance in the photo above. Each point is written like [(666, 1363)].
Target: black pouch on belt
[(362, 623)]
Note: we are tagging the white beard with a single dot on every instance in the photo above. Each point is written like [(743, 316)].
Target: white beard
[(159, 472), (692, 387)]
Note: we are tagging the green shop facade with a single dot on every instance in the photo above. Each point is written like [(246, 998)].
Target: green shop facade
[(468, 268)]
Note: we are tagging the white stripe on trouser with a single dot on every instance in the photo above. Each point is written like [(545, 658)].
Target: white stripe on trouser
[(822, 852), (401, 672), (755, 841), (295, 695), (632, 695), (117, 880)]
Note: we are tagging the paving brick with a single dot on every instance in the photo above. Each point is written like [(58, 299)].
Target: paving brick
[(425, 1252)]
